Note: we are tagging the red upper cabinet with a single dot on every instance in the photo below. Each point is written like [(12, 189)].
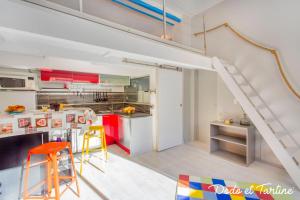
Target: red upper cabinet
[(85, 77), (69, 76)]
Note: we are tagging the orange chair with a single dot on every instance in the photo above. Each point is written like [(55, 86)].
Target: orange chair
[(50, 150)]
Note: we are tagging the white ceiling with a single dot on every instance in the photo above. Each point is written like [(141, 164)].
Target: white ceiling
[(30, 51), (189, 7)]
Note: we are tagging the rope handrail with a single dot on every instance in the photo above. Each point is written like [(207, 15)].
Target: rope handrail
[(274, 52)]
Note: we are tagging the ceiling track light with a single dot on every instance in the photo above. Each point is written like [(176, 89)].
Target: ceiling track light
[(150, 64)]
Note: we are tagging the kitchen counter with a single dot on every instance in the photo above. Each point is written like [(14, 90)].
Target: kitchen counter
[(15, 125), (132, 133), (13, 150), (135, 115), (18, 133), (136, 134)]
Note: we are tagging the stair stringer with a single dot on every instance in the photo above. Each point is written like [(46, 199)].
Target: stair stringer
[(280, 152)]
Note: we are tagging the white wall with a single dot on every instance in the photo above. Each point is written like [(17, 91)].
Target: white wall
[(206, 84), (24, 20), (27, 99), (227, 105), (122, 15), (269, 22), (188, 107), (74, 4), (215, 102)]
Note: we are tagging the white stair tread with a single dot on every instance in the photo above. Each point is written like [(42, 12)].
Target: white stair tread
[(280, 134), (296, 161), (234, 72), (293, 151), (289, 157)]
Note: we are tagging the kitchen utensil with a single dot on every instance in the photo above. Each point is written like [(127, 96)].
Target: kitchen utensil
[(44, 108), (106, 96), (61, 106), (97, 96), (54, 106), (245, 120), (228, 121)]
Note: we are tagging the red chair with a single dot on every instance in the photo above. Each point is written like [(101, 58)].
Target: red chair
[(50, 150)]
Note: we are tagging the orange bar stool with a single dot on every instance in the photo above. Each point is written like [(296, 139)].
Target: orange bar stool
[(51, 151), (93, 132)]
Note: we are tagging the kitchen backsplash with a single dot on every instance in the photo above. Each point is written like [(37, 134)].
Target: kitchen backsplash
[(98, 101)]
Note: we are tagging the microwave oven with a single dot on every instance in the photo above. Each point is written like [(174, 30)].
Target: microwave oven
[(17, 82)]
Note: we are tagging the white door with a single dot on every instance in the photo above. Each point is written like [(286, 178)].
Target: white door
[(169, 110)]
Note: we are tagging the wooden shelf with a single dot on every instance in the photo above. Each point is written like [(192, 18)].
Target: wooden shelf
[(230, 139), (234, 125), (241, 160), (233, 142)]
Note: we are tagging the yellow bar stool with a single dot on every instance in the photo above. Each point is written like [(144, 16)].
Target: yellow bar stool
[(93, 132)]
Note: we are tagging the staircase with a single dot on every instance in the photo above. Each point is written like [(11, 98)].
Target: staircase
[(282, 143)]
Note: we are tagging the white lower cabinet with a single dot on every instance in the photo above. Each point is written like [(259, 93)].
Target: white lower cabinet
[(137, 134)]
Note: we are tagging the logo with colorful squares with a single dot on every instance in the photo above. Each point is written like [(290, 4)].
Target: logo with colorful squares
[(196, 188)]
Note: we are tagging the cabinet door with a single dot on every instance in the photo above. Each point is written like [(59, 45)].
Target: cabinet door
[(111, 125), (106, 79), (169, 110)]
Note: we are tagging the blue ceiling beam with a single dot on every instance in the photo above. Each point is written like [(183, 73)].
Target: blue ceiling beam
[(155, 9), (140, 11)]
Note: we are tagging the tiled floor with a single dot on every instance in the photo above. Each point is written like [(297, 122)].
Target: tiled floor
[(153, 175)]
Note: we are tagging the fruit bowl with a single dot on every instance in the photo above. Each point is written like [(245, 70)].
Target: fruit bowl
[(15, 109), (128, 110)]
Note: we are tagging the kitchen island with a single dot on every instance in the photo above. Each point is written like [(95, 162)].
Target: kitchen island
[(132, 133), (136, 133), (13, 154), (13, 149), (21, 132)]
